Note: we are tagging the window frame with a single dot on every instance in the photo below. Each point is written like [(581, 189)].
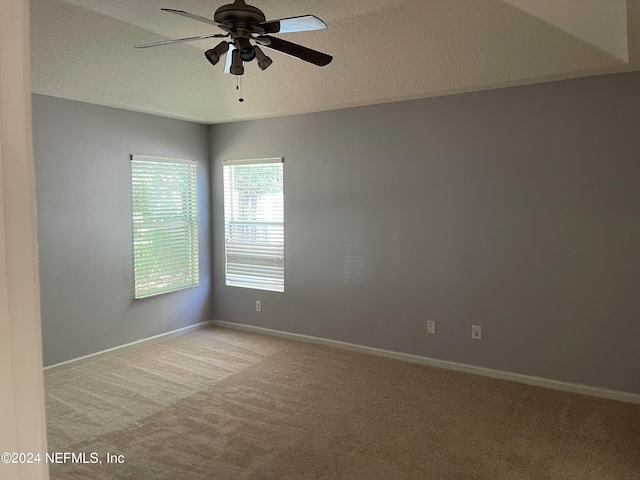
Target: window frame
[(262, 283), (190, 254)]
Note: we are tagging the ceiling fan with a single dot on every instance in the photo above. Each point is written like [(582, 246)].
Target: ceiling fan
[(247, 29)]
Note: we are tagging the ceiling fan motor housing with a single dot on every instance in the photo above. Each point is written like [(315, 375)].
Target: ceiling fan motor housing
[(240, 16)]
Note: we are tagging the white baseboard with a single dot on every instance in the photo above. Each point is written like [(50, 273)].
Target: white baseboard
[(460, 367), (127, 346)]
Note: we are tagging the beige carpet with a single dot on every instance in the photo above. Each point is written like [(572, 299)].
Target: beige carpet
[(222, 404)]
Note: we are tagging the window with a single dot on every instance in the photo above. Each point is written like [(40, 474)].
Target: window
[(165, 224), (254, 224)]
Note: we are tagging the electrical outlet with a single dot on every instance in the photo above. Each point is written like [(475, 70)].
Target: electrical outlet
[(476, 332), (431, 326), (258, 306)]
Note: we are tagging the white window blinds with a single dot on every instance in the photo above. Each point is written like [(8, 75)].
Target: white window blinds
[(254, 223), (165, 224)]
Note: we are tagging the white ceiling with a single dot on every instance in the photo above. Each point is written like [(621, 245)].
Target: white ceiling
[(384, 50)]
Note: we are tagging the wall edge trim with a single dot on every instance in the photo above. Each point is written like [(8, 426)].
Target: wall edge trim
[(126, 347), (578, 388)]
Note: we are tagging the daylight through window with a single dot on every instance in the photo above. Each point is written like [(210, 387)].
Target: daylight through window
[(165, 224), (254, 224)]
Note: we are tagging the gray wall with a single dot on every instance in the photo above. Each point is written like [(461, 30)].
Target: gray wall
[(83, 189), (515, 209)]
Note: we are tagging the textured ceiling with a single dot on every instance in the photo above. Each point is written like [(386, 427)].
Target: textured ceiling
[(384, 50)]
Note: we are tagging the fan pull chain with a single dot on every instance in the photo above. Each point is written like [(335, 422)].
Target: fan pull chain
[(239, 87)]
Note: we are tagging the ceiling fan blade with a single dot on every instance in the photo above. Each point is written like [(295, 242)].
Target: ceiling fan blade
[(196, 17), (179, 40), (293, 49), (227, 60), (305, 23)]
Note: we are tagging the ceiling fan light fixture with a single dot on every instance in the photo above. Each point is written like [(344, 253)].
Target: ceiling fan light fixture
[(247, 53), (264, 62), (237, 67), (214, 54)]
